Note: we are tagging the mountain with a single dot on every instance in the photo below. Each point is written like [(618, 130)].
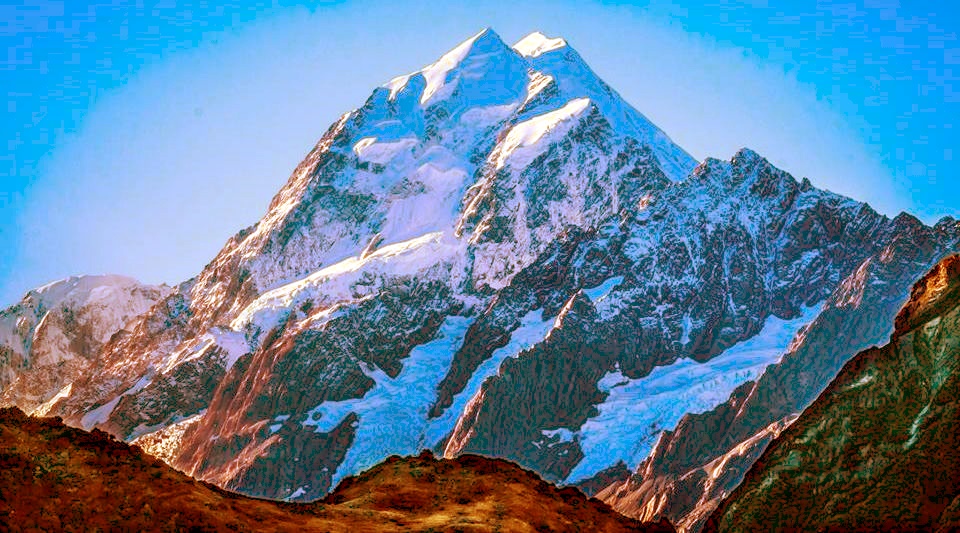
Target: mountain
[(58, 478), (498, 255), (695, 465), (879, 449), (55, 333)]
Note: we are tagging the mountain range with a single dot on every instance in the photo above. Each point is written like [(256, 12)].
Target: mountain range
[(494, 255)]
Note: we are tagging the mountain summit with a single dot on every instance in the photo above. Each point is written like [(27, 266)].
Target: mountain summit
[(497, 254)]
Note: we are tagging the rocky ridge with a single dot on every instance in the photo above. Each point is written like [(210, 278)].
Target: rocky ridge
[(705, 457)]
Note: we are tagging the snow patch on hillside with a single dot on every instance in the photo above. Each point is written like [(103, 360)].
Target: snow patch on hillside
[(99, 415), (392, 416), (102, 414), (601, 292)]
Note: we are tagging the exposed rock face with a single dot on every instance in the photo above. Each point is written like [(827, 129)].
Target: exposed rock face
[(701, 268), (55, 333), (879, 448), (498, 255), (58, 478), (704, 458)]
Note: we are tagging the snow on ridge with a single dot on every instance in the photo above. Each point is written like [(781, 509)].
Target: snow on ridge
[(46, 406), (59, 288), (85, 289), (575, 79), (521, 144), (369, 149), (105, 303), (164, 443), (436, 73), (636, 411), (537, 43), (338, 282), (538, 81), (233, 343), (533, 329)]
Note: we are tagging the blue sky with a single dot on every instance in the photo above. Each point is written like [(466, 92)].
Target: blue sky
[(141, 135)]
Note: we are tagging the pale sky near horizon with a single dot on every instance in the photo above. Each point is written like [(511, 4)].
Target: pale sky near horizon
[(140, 138)]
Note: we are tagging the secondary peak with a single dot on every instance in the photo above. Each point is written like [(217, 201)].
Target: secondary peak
[(537, 43)]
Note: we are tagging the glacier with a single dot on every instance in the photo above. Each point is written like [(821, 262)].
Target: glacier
[(636, 411)]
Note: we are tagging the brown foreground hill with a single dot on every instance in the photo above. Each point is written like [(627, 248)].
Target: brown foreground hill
[(57, 478)]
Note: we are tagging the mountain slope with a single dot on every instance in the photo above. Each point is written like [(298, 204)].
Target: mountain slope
[(57, 478), (878, 450)]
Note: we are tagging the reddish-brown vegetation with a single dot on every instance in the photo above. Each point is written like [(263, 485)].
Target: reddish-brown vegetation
[(57, 478)]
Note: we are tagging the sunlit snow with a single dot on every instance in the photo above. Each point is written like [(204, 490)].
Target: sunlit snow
[(522, 143), (339, 282), (46, 406), (537, 43)]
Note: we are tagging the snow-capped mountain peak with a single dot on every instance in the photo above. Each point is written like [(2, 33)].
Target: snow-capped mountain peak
[(493, 254), (574, 78), (483, 62), (407, 162)]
